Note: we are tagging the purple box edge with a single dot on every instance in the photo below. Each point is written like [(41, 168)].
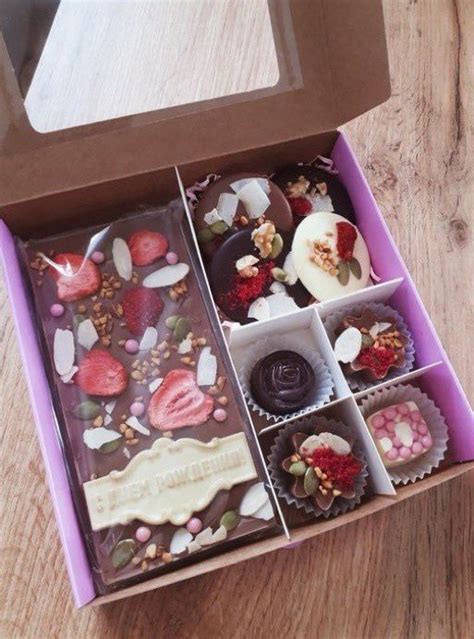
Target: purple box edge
[(69, 531), (389, 264)]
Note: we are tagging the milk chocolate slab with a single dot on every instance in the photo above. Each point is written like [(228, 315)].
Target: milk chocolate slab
[(137, 366)]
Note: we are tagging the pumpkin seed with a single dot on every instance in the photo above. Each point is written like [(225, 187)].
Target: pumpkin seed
[(298, 469), (277, 246), (279, 274), (311, 481), (87, 410), (205, 235), (355, 267), (181, 329), (219, 227), (229, 520), (123, 553), (343, 273), (367, 341), (110, 447), (171, 321)]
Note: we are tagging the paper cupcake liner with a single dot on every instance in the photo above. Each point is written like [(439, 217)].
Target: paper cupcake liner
[(323, 382), (435, 421), (334, 320), (282, 448)]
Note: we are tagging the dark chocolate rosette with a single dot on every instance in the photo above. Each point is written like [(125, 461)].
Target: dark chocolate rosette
[(308, 487), (291, 383)]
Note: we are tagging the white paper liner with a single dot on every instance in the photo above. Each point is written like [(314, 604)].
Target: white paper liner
[(423, 465), (333, 321), (323, 382), (282, 448)]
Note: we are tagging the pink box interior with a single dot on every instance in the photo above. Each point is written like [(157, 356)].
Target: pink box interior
[(440, 382)]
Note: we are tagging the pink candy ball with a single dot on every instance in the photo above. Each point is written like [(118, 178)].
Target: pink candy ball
[(381, 432), (98, 257), (416, 416), (378, 421), (57, 310), (390, 426), (397, 442), (220, 415), (194, 525), (405, 452), (131, 346), (142, 534), (403, 409), (392, 454), (171, 258), (426, 441), (415, 436), (416, 448), (137, 409), (422, 428), (390, 413)]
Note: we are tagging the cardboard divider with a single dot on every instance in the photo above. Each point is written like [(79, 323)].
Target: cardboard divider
[(401, 379)]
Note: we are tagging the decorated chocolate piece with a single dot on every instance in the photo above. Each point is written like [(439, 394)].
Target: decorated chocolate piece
[(311, 190), (282, 382), (235, 202), (370, 346), (400, 433), (138, 375), (330, 256), (252, 275), (323, 468)]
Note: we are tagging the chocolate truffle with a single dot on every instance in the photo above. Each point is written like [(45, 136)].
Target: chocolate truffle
[(282, 382), (369, 346), (400, 433), (312, 190)]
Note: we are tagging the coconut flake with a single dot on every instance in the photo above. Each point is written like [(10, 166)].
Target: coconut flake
[(385, 444), (204, 538), (126, 452), (166, 276), (185, 346), (322, 204), (404, 433), (254, 198), (87, 336), (149, 339), (239, 184), (136, 425), (348, 345), (310, 444), (227, 207), (265, 512), (259, 309), (278, 288), (109, 407), (63, 351), (206, 368), (379, 327), (219, 535), (246, 261), (107, 420), (193, 547), (211, 217), (253, 500), (67, 378), (280, 304), (180, 541), (122, 258), (155, 384), (94, 438), (289, 268), (339, 445)]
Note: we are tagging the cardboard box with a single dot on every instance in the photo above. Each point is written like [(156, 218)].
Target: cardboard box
[(294, 120)]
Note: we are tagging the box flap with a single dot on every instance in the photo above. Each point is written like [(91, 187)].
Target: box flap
[(331, 65)]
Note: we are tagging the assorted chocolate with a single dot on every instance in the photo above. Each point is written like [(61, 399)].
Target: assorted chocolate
[(161, 460), (282, 382)]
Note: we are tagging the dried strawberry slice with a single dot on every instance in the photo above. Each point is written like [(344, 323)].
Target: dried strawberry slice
[(142, 307), (101, 374), (300, 206), (179, 402), (146, 247), (76, 276), (346, 237)]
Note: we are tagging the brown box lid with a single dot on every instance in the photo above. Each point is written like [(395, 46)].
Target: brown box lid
[(332, 62)]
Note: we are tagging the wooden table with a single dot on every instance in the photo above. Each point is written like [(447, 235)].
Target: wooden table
[(405, 572)]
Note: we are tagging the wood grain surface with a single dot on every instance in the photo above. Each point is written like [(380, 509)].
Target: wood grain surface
[(406, 572)]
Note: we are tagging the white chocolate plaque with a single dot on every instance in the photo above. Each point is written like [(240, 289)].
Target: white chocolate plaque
[(169, 482)]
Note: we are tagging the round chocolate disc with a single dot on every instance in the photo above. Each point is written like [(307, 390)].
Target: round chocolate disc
[(233, 293), (321, 190)]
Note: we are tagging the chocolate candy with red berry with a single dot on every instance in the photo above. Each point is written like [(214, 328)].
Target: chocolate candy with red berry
[(310, 189)]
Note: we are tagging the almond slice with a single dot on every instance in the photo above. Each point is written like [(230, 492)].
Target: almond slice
[(289, 268), (180, 541), (94, 438), (63, 351), (67, 378), (87, 336), (186, 346), (149, 339), (122, 258), (193, 546), (246, 261), (348, 345), (166, 276), (204, 538), (265, 512), (206, 368), (136, 425), (253, 500), (155, 384)]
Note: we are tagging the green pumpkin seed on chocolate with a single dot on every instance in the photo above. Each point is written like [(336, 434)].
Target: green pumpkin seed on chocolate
[(110, 447), (277, 246), (171, 321), (229, 520), (298, 468), (205, 235), (123, 553), (219, 227), (311, 482), (87, 410), (181, 329)]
